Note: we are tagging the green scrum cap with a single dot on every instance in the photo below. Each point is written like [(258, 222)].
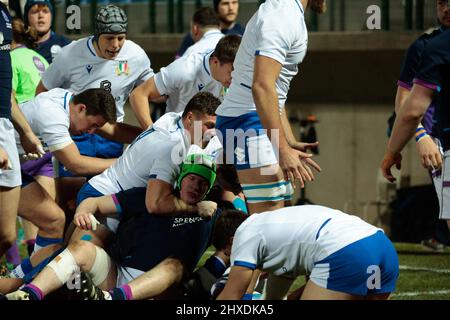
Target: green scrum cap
[(201, 165)]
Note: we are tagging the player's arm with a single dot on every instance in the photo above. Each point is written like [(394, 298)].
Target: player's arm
[(29, 141), (400, 98), (266, 73), (40, 88), (99, 206), (238, 281), (121, 132), (78, 164), (160, 200), (405, 125), (139, 98)]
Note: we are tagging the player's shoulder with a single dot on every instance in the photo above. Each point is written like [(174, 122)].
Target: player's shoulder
[(132, 48)]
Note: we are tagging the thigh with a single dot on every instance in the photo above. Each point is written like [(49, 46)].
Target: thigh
[(313, 291), (9, 204)]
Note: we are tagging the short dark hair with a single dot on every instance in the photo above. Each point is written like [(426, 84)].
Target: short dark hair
[(227, 48), (226, 226), (202, 103), (206, 16), (98, 102)]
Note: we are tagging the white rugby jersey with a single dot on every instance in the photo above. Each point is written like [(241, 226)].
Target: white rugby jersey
[(213, 149), (156, 153), (77, 68), (207, 43), (290, 240), (278, 31), (48, 115), (185, 77)]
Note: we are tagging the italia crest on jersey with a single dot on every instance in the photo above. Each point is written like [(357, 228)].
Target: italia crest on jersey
[(122, 68)]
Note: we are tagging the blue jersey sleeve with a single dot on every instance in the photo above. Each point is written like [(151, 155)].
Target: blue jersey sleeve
[(411, 64)]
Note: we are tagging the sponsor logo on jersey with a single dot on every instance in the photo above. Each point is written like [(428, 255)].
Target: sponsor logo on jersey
[(38, 64), (122, 68), (200, 86), (177, 222), (89, 68)]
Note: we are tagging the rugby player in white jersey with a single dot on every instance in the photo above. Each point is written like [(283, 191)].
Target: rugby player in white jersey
[(183, 78), (205, 31), (274, 43), (345, 257), (54, 116)]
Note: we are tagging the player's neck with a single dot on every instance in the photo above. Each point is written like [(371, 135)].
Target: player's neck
[(226, 25), (44, 37)]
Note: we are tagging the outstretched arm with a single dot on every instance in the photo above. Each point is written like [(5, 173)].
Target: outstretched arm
[(100, 206), (139, 101), (238, 281)]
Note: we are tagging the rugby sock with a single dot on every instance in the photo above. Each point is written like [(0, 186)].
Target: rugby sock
[(12, 255), (34, 292), (121, 293), (22, 269), (30, 246), (42, 242), (215, 266)]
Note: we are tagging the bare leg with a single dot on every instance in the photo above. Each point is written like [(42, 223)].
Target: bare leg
[(9, 203), (314, 292), (37, 206), (159, 279)]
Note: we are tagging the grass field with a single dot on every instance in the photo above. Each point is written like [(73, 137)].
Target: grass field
[(424, 275)]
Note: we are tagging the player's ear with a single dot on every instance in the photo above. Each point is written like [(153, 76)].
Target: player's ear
[(81, 107)]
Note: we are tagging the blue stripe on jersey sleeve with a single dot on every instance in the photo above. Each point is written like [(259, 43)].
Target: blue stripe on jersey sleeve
[(245, 264)]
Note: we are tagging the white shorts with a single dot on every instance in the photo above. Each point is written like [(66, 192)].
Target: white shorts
[(11, 177), (126, 275), (441, 180)]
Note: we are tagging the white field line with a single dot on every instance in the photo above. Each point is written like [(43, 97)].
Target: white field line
[(419, 293), (409, 268)]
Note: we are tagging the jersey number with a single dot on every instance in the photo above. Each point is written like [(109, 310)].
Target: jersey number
[(105, 84)]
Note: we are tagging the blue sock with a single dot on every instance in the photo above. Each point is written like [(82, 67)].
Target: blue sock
[(42, 242)]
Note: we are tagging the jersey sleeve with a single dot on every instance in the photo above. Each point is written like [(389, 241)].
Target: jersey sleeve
[(131, 201), (274, 40), (145, 66), (411, 64), (165, 168), (431, 69), (247, 248), (56, 74), (171, 78), (54, 131)]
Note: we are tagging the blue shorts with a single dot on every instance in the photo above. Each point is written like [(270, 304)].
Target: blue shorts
[(93, 145), (245, 142), (26, 179), (87, 191), (368, 266)]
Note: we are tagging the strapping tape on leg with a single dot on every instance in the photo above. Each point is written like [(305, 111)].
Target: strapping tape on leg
[(64, 265), (101, 266), (272, 191)]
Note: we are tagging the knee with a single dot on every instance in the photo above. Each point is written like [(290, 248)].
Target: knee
[(55, 221), (81, 250)]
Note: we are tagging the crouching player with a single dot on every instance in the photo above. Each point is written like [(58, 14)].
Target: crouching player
[(345, 257)]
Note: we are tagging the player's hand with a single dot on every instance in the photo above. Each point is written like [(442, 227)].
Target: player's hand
[(304, 146), (388, 161), (4, 161), (206, 209), (32, 146), (296, 165), (85, 221), (429, 154)]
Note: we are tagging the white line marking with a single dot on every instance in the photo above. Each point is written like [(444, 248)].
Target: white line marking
[(418, 293), (409, 268)]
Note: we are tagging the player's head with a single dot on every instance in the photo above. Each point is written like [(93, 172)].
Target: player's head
[(221, 61), (23, 35), (38, 15), (443, 13), (197, 176), (110, 30), (225, 228), (199, 116), (91, 109), (203, 19), (227, 10), (318, 6)]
